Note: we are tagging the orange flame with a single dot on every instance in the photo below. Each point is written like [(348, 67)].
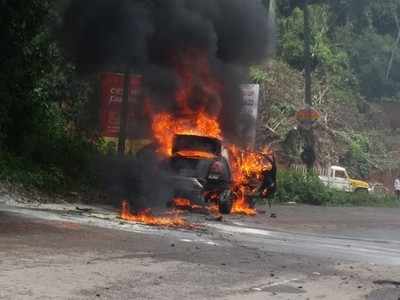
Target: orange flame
[(166, 126), (182, 202), (247, 166), (196, 153), (146, 217), (241, 205), (198, 100)]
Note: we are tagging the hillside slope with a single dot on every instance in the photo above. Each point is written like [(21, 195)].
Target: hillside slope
[(352, 132)]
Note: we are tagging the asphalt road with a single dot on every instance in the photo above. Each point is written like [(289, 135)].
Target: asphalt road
[(57, 252)]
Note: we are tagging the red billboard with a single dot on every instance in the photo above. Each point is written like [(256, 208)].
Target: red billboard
[(112, 91)]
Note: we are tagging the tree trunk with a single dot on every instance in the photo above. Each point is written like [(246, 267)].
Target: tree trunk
[(390, 64)]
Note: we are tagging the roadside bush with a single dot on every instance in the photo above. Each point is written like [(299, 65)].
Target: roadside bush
[(308, 189), (52, 157), (22, 171), (294, 186), (357, 157)]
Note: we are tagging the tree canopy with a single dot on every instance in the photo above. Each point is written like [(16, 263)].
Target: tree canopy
[(356, 41)]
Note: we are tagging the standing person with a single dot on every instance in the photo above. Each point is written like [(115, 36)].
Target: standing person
[(268, 187), (397, 187)]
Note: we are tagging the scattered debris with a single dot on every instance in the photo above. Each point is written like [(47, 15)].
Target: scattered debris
[(219, 218), (387, 282), (86, 210)]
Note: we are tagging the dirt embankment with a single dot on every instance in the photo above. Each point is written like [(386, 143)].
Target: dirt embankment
[(360, 135), (392, 111)]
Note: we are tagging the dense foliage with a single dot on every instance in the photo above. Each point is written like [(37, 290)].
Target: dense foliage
[(354, 42), (41, 97), (308, 189)]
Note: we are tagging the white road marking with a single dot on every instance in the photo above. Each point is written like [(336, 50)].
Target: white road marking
[(234, 229), (262, 288), (186, 241), (280, 283)]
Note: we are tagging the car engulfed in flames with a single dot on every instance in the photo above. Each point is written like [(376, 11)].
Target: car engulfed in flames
[(203, 171), (200, 167)]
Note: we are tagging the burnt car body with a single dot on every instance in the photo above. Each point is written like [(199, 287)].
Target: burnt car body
[(199, 171)]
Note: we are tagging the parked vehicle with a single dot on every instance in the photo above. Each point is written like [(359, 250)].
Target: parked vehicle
[(337, 178)]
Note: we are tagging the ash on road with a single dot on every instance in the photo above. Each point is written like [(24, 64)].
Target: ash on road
[(57, 252)]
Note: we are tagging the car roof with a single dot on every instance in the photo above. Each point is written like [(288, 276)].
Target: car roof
[(337, 168)]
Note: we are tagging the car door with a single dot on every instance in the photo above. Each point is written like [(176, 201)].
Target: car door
[(340, 180)]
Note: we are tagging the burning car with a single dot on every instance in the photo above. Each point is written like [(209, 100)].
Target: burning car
[(200, 171), (204, 170)]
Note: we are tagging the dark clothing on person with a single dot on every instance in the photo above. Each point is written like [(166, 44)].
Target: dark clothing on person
[(269, 179)]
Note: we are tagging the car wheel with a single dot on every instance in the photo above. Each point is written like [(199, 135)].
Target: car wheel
[(252, 202), (225, 202)]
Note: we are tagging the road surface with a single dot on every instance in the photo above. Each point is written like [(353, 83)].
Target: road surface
[(58, 252)]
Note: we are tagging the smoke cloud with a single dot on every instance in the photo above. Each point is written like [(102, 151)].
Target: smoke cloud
[(153, 37), (149, 36), (104, 33)]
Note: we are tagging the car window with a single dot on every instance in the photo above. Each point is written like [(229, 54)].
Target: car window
[(340, 174)]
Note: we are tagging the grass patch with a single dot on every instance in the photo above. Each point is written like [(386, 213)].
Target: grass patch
[(308, 189)]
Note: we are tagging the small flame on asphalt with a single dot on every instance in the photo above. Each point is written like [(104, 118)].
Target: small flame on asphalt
[(146, 217)]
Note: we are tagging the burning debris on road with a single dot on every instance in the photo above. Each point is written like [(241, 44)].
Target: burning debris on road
[(147, 218), (248, 169)]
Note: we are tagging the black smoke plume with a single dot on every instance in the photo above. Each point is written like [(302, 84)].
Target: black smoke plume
[(104, 33), (148, 37), (143, 35)]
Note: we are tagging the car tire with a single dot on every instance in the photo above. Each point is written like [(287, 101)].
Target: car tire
[(252, 202), (225, 202)]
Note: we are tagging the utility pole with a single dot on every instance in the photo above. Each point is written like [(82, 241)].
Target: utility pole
[(124, 115), (308, 155), (307, 54)]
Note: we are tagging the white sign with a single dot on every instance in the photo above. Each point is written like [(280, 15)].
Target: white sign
[(251, 97)]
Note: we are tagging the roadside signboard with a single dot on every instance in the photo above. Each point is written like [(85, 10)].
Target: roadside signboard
[(307, 117), (251, 96), (112, 90)]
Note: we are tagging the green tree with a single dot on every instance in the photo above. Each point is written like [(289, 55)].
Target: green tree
[(42, 97)]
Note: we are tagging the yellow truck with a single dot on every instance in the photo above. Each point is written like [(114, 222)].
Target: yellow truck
[(338, 178)]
